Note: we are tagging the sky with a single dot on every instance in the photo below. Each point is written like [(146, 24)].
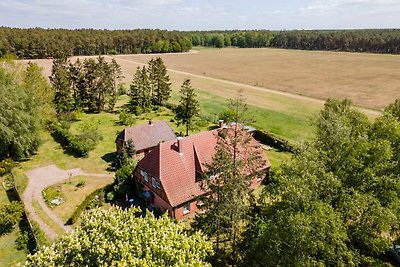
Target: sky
[(201, 14)]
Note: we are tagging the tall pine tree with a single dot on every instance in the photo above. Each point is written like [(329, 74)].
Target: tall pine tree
[(233, 167), (188, 107), (140, 92)]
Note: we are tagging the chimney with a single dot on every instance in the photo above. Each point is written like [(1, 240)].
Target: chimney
[(179, 143), (221, 123)]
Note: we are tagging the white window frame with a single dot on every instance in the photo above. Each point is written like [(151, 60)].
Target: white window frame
[(186, 208)]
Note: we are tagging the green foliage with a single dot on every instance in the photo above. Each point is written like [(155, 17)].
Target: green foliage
[(45, 43), (10, 214), (394, 109), (160, 87), (229, 176), (5, 166), (51, 193), (89, 135), (337, 200), (372, 41), (120, 238), (188, 107), (93, 200), (69, 141), (126, 118), (21, 242), (273, 141), (20, 119), (81, 184), (91, 85), (140, 92), (122, 182)]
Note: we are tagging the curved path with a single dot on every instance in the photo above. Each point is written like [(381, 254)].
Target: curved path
[(371, 112), (38, 180)]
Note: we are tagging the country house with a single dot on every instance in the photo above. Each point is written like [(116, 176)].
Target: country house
[(170, 174)]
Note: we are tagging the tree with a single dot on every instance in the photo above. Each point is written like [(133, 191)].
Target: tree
[(160, 86), (140, 92), (230, 174), (188, 107), (59, 79), (38, 87), (19, 116), (336, 201), (117, 75), (116, 237)]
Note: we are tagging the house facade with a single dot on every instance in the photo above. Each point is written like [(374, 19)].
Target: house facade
[(145, 137), (171, 173)]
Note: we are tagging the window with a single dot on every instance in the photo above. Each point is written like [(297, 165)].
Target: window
[(155, 183), (144, 174), (186, 208)]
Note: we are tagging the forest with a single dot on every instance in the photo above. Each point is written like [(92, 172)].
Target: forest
[(46, 43), (371, 41)]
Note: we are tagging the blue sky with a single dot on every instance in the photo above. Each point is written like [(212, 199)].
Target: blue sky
[(201, 14)]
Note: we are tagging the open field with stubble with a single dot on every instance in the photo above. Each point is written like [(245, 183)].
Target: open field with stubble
[(369, 80)]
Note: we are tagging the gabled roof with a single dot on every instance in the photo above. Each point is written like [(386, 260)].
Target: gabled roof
[(176, 167), (147, 135)]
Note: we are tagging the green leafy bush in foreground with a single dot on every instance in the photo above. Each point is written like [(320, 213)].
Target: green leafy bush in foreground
[(116, 237)]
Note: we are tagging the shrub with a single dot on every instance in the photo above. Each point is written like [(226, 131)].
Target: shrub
[(126, 118), (21, 242), (110, 196), (121, 180), (95, 199), (10, 214), (52, 193), (273, 141), (81, 183), (69, 141), (68, 116), (5, 166)]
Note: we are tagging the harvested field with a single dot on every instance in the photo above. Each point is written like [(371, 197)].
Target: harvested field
[(369, 80)]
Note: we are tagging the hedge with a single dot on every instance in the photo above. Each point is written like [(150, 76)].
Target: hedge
[(69, 141), (273, 141), (93, 200)]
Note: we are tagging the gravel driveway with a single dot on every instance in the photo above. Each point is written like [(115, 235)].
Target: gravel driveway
[(38, 180)]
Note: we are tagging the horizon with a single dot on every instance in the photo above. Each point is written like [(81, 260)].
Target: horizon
[(197, 15)]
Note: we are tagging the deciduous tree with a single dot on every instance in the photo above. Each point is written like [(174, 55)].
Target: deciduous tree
[(116, 237)]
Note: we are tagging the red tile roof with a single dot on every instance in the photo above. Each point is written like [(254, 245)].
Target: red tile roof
[(148, 135), (176, 168)]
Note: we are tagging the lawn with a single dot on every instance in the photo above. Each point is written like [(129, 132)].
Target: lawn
[(74, 191), (276, 157), (9, 255)]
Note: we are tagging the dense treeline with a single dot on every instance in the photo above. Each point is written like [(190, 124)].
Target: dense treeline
[(43, 43), (373, 41)]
